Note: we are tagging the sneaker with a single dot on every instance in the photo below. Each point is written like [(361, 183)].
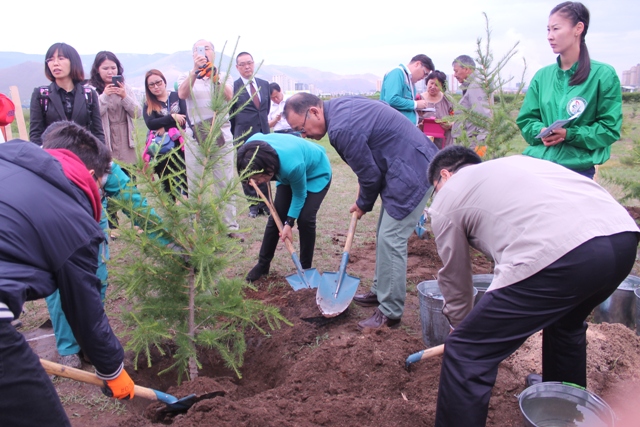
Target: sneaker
[(72, 361), (533, 379), (236, 235)]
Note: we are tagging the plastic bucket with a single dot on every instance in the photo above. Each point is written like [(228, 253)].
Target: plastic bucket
[(553, 404), (481, 282), (637, 294), (435, 326), (620, 307)]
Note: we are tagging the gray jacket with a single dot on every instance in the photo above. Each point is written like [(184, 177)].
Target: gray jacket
[(474, 99), (522, 212)]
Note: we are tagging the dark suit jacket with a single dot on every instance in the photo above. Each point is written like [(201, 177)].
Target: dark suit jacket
[(386, 151), (55, 112), (250, 118)]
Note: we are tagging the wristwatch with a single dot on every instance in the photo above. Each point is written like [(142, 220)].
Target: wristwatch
[(290, 221)]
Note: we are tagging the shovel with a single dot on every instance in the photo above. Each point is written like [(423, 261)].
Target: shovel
[(336, 290), (424, 354), (174, 404), (308, 278)]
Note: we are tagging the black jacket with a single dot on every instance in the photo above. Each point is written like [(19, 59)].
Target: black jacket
[(155, 120), (387, 152), (249, 118), (55, 112), (49, 240)]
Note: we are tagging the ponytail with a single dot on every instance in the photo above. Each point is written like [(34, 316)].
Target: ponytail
[(584, 65), (577, 12)]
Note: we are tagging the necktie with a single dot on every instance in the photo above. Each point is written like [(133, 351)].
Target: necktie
[(256, 101)]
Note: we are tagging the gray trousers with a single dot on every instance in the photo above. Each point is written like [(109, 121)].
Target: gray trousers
[(390, 280)]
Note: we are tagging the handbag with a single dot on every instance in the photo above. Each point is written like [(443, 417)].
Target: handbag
[(162, 144)]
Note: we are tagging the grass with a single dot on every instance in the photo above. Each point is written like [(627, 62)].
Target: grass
[(95, 403)]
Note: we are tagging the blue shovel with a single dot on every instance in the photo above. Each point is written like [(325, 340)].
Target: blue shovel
[(173, 403), (336, 290), (308, 278)]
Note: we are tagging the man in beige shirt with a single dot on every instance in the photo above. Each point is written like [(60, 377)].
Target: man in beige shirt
[(561, 245)]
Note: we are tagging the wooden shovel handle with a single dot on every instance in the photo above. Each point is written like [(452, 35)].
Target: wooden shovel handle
[(351, 232), (433, 351), (274, 214), (53, 368)]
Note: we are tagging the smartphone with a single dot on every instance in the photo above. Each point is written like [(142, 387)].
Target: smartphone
[(200, 51), (116, 79)]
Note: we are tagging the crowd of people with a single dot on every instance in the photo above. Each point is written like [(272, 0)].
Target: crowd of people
[(559, 250)]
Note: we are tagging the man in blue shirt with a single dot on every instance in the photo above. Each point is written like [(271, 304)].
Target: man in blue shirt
[(398, 86), (390, 156)]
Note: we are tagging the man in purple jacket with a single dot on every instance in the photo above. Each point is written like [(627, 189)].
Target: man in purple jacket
[(390, 156)]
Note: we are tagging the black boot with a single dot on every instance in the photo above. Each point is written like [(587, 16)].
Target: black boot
[(256, 272)]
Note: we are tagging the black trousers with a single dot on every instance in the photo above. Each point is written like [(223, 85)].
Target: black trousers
[(27, 396), (306, 225), (556, 300)]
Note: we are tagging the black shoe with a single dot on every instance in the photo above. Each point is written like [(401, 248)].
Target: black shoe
[(254, 212), (264, 211), (377, 321), (256, 272), (533, 379), (366, 300)]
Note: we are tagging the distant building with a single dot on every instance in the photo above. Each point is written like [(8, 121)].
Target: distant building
[(302, 87), (286, 83), (631, 77), (378, 85)]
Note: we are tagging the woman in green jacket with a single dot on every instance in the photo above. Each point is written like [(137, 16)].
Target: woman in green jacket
[(575, 86)]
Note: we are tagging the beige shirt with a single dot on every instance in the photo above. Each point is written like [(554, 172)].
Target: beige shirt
[(522, 212), (118, 123)]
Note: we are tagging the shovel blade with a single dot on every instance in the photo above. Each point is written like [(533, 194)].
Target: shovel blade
[(331, 305), (183, 405), (310, 276)]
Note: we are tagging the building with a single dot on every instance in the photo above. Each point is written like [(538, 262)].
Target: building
[(286, 83), (631, 77)]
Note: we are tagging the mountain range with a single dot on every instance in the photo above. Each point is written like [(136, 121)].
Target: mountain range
[(26, 71)]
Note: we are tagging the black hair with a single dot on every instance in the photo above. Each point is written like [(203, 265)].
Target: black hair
[(243, 53), (577, 12), (274, 87), (451, 158), (73, 137), (300, 103), (95, 79), (424, 60), (257, 157), (440, 76), (465, 61), (63, 49)]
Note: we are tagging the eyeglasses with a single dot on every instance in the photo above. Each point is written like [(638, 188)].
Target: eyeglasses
[(245, 64), (425, 70), (53, 58), (306, 116), (155, 84)]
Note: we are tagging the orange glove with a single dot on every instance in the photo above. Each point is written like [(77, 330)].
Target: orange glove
[(121, 387), (481, 150)]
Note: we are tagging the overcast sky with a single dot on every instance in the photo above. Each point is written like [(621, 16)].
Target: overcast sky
[(341, 36)]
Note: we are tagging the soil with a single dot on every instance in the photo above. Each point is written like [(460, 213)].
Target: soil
[(325, 372)]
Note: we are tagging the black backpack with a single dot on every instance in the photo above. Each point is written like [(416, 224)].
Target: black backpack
[(44, 99)]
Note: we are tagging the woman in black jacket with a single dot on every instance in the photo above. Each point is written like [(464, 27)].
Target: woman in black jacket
[(65, 98), (162, 111)]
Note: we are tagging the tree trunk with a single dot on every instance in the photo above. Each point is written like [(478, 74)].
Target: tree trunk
[(193, 365)]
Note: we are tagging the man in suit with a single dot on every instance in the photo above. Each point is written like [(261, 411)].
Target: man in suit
[(390, 156), (252, 108)]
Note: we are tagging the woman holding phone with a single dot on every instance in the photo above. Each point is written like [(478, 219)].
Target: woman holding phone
[(118, 109), (66, 98), (162, 111), (577, 86)]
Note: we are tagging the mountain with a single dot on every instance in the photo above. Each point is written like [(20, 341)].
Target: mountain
[(26, 71)]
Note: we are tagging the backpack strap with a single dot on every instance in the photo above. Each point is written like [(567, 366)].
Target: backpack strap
[(43, 97), (88, 96)]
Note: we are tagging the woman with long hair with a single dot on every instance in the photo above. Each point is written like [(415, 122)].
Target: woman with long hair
[(575, 88), (118, 106), (66, 98), (118, 109), (163, 110)]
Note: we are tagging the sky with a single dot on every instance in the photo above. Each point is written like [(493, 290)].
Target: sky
[(340, 36)]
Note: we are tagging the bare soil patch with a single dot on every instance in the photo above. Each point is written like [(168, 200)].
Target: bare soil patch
[(325, 372)]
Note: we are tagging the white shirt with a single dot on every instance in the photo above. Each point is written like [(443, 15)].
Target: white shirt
[(276, 109), (255, 87)]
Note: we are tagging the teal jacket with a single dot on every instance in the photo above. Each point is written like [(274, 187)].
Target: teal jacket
[(304, 166), (398, 91), (589, 136), (117, 187)]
